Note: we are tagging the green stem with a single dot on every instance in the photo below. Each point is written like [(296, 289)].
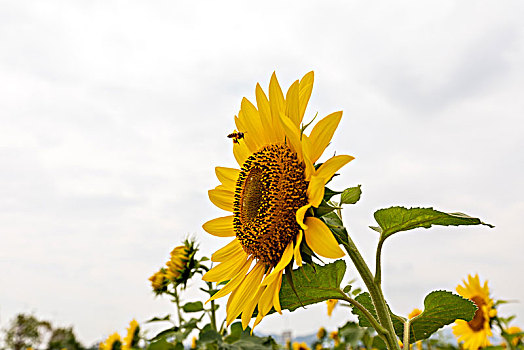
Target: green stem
[(212, 314), (504, 334), (177, 303), (406, 335), (380, 330), (376, 294), (378, 266)]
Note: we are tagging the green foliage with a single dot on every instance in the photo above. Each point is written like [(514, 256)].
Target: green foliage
[(440, 309), (236, 340), (193, 306), (396, 219), (312, 284), (351, 195), (25, 331), (63, 338)]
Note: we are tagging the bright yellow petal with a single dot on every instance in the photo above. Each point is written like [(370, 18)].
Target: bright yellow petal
[(226, 270), (305, 89), (222, 199), (234, 282), (220, 227), (306, 148), (321, 240), (285, 259), (301, 212), (249, 141), (266, 299), (276, 300), (277, 105), (296, 250), (242, 293), (292, 104), (332, 165), (253, 124), (293, 135), (315, 190), (229, 251), (265, 115), (247, 311), (227, 176), (241, 152), (322, 133)]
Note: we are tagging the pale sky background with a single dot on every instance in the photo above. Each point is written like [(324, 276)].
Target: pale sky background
[(113, 115)]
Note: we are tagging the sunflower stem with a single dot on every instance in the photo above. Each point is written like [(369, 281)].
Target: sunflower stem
[(376, 294), (177, 304), (378, 264), (380, 330), (212, 313), (406, 335)]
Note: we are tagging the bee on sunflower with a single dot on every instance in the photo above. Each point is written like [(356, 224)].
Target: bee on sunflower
[(271, 198)]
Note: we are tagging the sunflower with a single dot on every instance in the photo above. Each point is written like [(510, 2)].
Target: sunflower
[(159, 281), (270, 197), (300, 346), (113, 342), (476, 332), (132, 338), (514, 330), (331, 303), (177, 263)]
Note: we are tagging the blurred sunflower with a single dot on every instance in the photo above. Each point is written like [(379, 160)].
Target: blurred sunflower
[(270, 197), (514, 330), (159, 281), (300, 346), (132, 338), (476, 332), (113, 342)]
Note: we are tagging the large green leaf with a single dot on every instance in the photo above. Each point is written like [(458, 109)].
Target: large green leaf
[(312, 284), (440, 309), (396, 219)]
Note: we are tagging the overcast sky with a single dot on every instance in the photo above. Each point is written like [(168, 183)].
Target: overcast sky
[(113, 115)]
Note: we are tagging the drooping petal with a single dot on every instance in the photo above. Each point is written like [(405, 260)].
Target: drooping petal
[(247, 311), (220, 227), (321, 240), (227, 176), (276, 300), (322, 133), (296, 250), (315, 190), (285, 259), (234, 282), (301, 212), (305, 89), (229, 251), (226, 270), (293, 135), (222, 198), (332, 165), (292, 104), (243, 291), (266, 300)]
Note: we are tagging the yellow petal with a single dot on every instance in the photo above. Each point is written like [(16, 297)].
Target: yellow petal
[(292, 104), (247, 311), (241, 152), (229, 251), (226, 270), (252, 123), (305, 89), (277, 105), (242, 293), (266, 299), (276, 300), (321, 240), (222, 199), (234, 282), (248, 140), (227, 176), (293, 135), (322, 133), (301, 212), (285, 259), (296, 251), (315, 190), (265, 115), (220, 227), (332, 165), (306, 149)]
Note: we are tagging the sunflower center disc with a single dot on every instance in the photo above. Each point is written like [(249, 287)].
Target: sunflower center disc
[(270, 189), (477, 323)]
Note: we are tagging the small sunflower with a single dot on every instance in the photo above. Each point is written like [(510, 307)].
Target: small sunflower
[(321, 334), (300, 346), (113, 342), (515, 330), (132, 338), (331, 303), (476, 332), (269, 198), (334, 335), (159, 281)]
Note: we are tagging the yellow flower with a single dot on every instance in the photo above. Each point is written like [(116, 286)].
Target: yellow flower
[(177, 263), (334, 335), (300, 346), (193, 343), (113, 342), (269, 197), (476, 332), (132, 338), (321, 333), (513, 330), (331, 303), (158, 281)]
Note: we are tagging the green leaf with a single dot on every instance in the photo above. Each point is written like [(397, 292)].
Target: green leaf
[(161, 344), (157, 319), (313, 287), (193, 306), (350, 195), (334, 223), (347, 288), (209, 335), (440, 309), (396, 219), (323, 209), (329, 193)]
